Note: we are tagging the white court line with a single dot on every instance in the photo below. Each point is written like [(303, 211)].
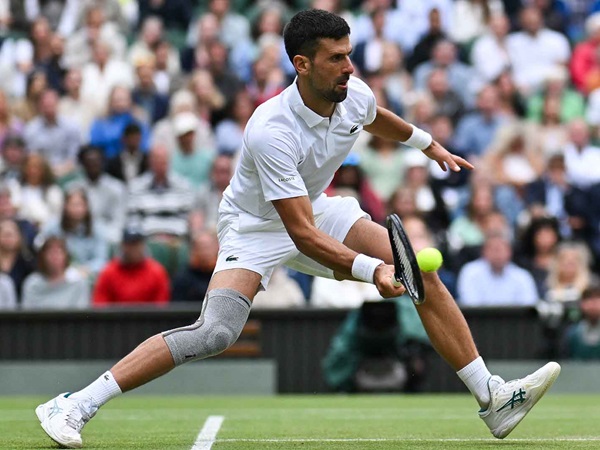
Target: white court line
[(292, 440), (208, 434)]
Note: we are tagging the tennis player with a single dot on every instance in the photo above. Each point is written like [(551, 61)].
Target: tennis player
[(274, 212)]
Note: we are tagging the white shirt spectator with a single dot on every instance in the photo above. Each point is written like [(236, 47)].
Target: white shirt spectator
[(8, 294), (479, 285), (97, 84), (583, 167), (489, 58), (592, 114), (533, 56), (468, 21)]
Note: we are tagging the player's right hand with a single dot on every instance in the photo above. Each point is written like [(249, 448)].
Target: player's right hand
[(384, 281)]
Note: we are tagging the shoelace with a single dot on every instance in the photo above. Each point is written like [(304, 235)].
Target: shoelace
[(79, 414)]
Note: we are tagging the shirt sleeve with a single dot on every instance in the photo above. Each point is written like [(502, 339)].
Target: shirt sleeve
[(276, 162)]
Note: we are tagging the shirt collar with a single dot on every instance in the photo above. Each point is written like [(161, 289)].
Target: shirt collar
[(311, 118)]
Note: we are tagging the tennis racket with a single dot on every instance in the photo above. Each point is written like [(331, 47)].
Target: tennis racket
[(407, 270)]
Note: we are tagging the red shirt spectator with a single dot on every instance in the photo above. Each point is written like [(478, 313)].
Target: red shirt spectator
[(585, 64), (133, 278)]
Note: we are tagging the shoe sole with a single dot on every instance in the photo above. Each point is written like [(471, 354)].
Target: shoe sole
[(547, 385), (39, 412)]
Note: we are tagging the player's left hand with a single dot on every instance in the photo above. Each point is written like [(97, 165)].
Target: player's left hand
[(443, 157)]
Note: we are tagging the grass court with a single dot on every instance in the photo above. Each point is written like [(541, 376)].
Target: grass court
[(559, 421)]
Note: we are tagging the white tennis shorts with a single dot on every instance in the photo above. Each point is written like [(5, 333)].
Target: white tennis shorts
[(249, 242)]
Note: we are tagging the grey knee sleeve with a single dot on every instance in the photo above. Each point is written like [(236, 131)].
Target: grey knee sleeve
[(224, 314)]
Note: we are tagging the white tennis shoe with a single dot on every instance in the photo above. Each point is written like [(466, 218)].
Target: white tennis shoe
[(62, 418), (511, 401)]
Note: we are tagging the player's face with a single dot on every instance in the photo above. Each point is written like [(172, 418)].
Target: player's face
[(331, 68)]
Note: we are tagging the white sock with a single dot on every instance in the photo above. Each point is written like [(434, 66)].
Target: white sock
[(101, 391), (475, 375)]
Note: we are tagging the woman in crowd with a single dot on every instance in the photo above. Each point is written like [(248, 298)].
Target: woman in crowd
[(538, 249), (84, 240), (55, 285), (38, 197), (569, 273), (15, 260), (9, 124)]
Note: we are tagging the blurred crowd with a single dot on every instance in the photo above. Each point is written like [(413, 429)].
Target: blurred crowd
[(121, 122)]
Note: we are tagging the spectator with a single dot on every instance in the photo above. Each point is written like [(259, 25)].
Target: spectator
[(75, 107), (572, 105), (582, 339), (106, 194), (160, 200), (535, 50), (447, 101), (79, 45), (12, 158), (515, 157), (489, 54), (367, 54), (476, 131), (582, 158), (403, 203), (209, 100), (145, 94), (163, 132), (396, 82), (233, 27), (493, 280), (512, 102), (284, 291), (107, 132), (150, 38), (584, 65), (188, 161), (132, 277), (87, 247), (37, 196), (8, 295), (229, 132), (55, 284), (132, 161), (10, 125), (103, 74), (383, 164), (191, 283), (555, 195), (15, 260), (569, 273), (226, 81), (8, 211), (209, 196), (552, 131), (26, 108), (470, 17), (468, 230), (435, 33), (538, 249), (53, 136), (267, 80), (444, 57), (428, 198)]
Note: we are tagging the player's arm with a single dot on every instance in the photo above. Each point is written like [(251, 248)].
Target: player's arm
[(296, 214), (388, 125)]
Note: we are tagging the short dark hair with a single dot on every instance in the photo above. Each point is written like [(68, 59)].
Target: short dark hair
[(593, 290), (303, 32), (132, 128)]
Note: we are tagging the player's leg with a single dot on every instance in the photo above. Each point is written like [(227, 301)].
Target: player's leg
[(503, 404), (224, 313)]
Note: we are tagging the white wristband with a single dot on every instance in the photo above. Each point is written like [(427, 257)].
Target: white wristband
[(419, 139), (363, 267)]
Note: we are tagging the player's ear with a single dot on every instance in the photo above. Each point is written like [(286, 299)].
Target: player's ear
[(301, 64)]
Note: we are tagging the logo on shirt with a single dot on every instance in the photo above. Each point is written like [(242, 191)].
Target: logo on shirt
[(353, 129), (231, 258), (286, 179)]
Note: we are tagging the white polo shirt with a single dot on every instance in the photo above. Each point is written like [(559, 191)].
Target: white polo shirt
[(290, 151)]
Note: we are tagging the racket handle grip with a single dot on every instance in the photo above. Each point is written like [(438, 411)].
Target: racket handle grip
[(396, 282)]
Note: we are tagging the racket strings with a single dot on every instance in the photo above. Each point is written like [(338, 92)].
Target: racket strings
[(404, 262)]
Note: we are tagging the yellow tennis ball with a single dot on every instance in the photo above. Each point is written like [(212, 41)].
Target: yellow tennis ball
[(429, 259)]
